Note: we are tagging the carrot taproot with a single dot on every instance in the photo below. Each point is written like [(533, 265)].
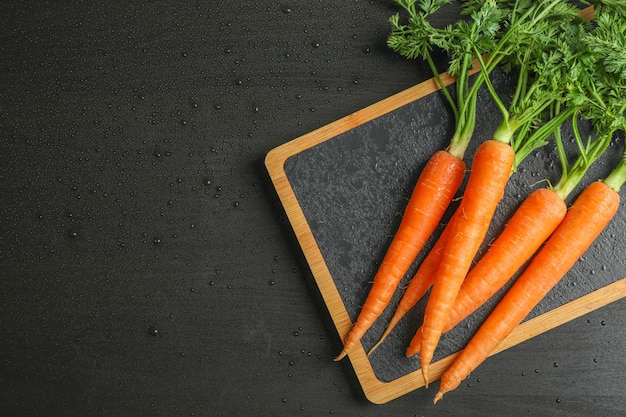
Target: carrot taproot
[(531, 224), (585, 220), (534, 221), (532, 97), (400, 256), (433, 192), (483, 37), (489, 175), (419, 285)]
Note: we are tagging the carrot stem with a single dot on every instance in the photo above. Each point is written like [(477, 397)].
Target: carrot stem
[(617, 177)]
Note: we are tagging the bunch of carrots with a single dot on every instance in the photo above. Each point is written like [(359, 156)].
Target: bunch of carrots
[(568, 70)]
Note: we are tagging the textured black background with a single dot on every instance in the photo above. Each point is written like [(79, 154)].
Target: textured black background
[(147, 268)]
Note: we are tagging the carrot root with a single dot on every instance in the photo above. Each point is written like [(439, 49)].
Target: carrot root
[(533, 222), (419, 285), (583, 223), (490, 172), (433, 192), (438, 397), (415, 344)]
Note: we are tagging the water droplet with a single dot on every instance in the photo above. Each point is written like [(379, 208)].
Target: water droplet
[(285, 9), (72, 233), (152, 331)]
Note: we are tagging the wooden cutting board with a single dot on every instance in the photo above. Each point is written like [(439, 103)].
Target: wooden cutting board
[(344, 187)]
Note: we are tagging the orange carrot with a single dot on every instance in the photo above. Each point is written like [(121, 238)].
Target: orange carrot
[(584, 221), (533, 222), (490, 172), (419, 285), (435, 188)]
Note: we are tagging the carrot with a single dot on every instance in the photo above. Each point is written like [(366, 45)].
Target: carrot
[(475, 40), (535, 219), (601, 94), (419, 285), (537, 90), (423, 218), (490, 172), (533, 222), (432, 195), (584, 221)]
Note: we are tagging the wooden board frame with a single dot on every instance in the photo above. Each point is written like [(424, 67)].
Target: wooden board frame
[(375, 390)]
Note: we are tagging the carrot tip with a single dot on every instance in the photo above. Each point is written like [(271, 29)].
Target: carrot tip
[(438, 397), (341, 355), (411, 352), (374, 347), (425, 376)]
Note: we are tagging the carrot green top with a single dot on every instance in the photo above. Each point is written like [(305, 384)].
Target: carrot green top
[(602, 98), (495, 30), (566, 69)]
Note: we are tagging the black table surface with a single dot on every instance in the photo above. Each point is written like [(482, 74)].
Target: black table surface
[(147, 266)]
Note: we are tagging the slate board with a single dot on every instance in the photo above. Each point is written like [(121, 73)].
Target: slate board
[(344, 187)]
